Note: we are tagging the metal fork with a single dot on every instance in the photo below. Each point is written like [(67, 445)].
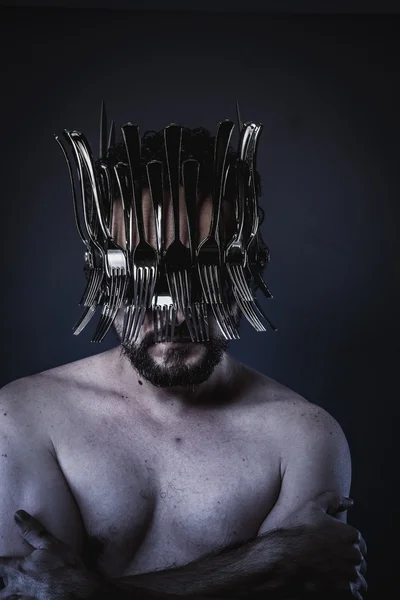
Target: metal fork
[(94, 255), (92, 258), (118, 279), (235, 252), (115, 259), (196, 312), (198, 316), (177, 258), (253, 239), (209, 253), (145, 260), (164, 316), (93, 293)]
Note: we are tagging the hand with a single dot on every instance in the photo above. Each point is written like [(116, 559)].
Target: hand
[(51, 572), (331, 552)]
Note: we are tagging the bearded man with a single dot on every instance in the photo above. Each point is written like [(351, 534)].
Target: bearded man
[(164, 467)]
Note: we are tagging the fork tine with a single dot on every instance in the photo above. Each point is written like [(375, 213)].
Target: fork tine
[(172, 322), (216, 306), (84, 319), (112, 311), (91, 292), (127, 317), (249, 312), (98, 278), (118, 298), (232, 277), (196, 323), (184, 295), (204, 320), (253, 301), (215, 281), (146, 286), (243, 307), (129, 308), (244, 289), (153, 281), (264, 315), (117, 290), (89, 284), (105, 313), (208, 294), (163, 322), (166, 323), (156, 320), (259, 280), (248, 307), (111, 306), (226, 311), (136, 315), (103, 317), (86, 316), (191, 323)]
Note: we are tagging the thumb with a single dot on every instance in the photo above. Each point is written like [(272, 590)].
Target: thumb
[(33, 531), (345, 504), (331, 502)]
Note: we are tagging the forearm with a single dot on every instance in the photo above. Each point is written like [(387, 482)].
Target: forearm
[(257, 565)]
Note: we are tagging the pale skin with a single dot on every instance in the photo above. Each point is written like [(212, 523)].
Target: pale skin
[(153, 478)]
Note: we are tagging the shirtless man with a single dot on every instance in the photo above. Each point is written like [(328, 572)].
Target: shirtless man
[(149, 457)]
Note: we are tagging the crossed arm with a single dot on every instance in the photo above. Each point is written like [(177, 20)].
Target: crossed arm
[(317, 460)]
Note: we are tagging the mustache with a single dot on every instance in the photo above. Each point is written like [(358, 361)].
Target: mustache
[(181, 334)]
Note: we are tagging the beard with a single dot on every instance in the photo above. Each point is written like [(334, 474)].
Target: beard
[(173, 372)]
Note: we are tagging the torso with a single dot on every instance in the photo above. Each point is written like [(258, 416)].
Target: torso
[(154, 494)]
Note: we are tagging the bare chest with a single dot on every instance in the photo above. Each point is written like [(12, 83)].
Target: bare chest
[(153, 497)]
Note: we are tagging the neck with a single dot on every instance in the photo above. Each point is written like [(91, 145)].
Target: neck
[(212, 392)]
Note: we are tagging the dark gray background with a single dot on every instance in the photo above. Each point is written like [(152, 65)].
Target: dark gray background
[(326, 89), (275, 6)]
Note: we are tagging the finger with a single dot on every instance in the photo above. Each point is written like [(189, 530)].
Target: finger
[(332, 502), (6, 562), (345, 504), (355, 536), (362, 583), (363, 546), (329, 500), (354, 592), (363, 566), (33, 531), (8, 593)]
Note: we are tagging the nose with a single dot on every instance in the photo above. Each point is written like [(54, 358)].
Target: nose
[(180, 318)]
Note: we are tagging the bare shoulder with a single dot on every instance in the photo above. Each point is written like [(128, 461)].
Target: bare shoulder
[(29, 470), (293, 417), (33, 399)]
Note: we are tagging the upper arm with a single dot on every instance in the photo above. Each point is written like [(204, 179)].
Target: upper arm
[(30, 478), (315, 458)]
